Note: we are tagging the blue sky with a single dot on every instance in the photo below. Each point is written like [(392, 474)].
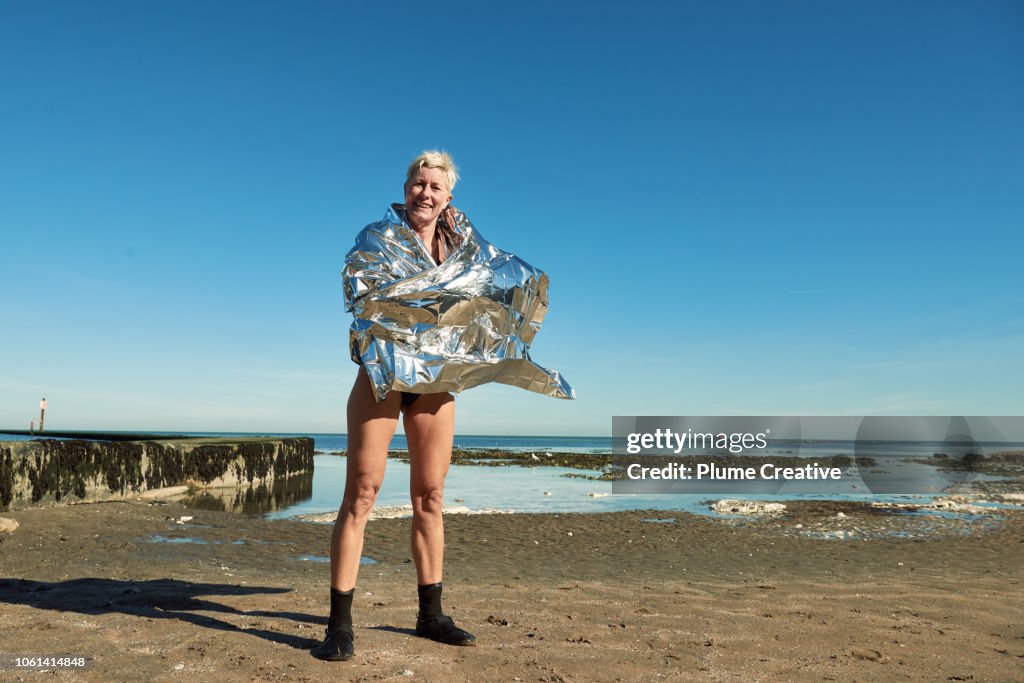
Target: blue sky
[(744, 207)]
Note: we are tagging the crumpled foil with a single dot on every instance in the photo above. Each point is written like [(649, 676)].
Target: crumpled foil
[(427, 328)]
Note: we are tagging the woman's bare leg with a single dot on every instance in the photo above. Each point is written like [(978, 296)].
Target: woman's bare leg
[(429, 429), (370, 428)]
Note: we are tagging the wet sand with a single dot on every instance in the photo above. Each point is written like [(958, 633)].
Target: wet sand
[(567, 597)]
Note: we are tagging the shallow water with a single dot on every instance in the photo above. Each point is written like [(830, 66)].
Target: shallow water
[(475, 488), (527, 489)]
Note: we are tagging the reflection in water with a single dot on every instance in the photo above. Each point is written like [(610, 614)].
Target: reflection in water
[(158, 538), (259, 499), (323, 559)]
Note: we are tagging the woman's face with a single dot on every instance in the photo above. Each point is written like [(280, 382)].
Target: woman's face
[(426, 196)]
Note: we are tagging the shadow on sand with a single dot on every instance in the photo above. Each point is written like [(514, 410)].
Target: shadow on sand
[(154, 599)]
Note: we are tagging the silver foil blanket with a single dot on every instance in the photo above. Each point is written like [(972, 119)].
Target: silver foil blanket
[(425, 328)]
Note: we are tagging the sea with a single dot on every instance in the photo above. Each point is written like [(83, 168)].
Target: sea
[(489, 489)]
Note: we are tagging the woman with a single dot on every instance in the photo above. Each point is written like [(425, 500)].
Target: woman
[(416, 284), (429, 421)]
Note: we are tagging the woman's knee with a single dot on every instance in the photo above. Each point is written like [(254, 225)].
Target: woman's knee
[(359, 499), (429, 501)]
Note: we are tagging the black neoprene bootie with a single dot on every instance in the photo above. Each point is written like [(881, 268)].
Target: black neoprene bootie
[(443, 630), (337, 645), (432, 623)]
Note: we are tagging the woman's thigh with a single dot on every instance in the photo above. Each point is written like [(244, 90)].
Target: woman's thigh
[(370, 428), (429, 430)]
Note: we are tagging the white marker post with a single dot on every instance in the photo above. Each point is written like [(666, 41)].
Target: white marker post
[(42, 413)]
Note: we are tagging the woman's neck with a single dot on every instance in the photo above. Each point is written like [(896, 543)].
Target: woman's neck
[(425, 231)]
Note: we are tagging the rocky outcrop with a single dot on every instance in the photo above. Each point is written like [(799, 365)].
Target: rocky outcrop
[(48, 472)]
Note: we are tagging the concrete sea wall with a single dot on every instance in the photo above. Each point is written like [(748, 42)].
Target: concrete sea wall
[(49, 472)]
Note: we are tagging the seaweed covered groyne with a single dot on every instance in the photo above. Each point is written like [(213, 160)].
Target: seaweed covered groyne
[(50, 472)]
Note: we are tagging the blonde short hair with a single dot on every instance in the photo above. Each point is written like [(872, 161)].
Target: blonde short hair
[(433, 158)]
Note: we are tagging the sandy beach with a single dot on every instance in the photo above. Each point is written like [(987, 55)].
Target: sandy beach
[(146, 594)]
